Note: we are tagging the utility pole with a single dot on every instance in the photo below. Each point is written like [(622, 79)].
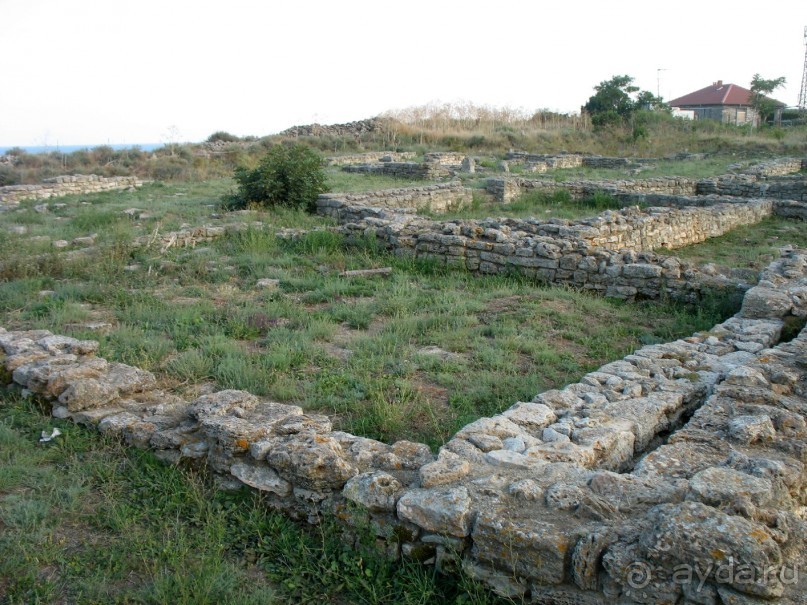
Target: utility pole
[(803, 93), (658, 81)]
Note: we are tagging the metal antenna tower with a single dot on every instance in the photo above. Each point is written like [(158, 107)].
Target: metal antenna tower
[(803, 93)]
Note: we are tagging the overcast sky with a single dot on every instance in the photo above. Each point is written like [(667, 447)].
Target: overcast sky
[(120, 71)]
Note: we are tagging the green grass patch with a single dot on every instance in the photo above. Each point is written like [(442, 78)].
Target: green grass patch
[(751, 246), (340, 181), (536, 204), (88, 520)]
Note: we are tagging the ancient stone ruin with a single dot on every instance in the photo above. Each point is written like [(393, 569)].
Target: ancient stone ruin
[(58, 186), (673, 475)]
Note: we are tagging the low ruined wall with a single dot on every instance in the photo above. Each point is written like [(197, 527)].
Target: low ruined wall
[(507, 189), (783, 187), (776, 167), (351, 207), (370, 157), (78, 184), (685, 454), (425, 171), (445, 158), (543, 162), (609, 254)]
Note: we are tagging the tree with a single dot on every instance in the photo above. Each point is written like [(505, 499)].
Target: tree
[(758, 99), (288, 175), (614, 102)]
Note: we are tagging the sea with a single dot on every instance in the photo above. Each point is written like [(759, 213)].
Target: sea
[(72, 148)]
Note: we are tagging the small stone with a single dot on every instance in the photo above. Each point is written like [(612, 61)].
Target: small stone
[(514, 444), (268, 284), (509, 459), (197, 449), (61, 243), (61, 412), (551, 435), (532, 416), (85, 241)]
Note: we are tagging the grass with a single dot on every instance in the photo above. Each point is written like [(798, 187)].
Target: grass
[(693, 169), (88, 520), (535, 204), (340, 181), (752, 246), (349, 347)]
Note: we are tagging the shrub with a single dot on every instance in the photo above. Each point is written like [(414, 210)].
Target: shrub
[(223, 136), (8, 176), (288, 175)]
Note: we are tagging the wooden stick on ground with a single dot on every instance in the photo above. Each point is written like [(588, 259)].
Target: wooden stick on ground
[(384, 271)]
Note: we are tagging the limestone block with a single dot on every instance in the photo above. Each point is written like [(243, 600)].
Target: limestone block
[(441, 510), (313, 462), (88, 393), (761, 303), (527, 548), (719, 486), (261, 477), (448, 468), (530, 415), (694, 533), (628, 492), (375, 490)]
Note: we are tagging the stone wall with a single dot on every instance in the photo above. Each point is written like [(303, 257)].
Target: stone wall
[(445, 158), (782, 187), (425, 171), (434, 198), (685, 454), (542, 162), (609, 254), (777, 167), (78, 184), (370, 157), (505, 190)]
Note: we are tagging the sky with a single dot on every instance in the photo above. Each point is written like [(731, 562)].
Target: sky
[(86, 72)]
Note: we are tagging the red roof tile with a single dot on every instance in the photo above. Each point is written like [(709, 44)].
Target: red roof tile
[(716, 94)]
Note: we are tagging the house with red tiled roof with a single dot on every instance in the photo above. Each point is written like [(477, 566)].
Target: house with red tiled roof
[(727, 103)]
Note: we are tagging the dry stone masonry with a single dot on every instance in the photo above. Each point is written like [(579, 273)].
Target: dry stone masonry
[(434, 198), (424, 171), (370, 157), (609, 254), (768, 179), (506, 190), (78, 184), (676, 474)]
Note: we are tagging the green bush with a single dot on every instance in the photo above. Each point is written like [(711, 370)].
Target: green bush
[(288, 175), (221, 135), (8, 176)]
